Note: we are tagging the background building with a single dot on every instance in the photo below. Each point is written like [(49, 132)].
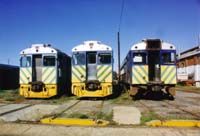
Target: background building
[(188, 66)]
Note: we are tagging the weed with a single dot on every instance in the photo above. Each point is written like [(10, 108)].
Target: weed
[(78, 115), (10, 95), (178, 117), (62, 99), (124, 98), (149, 117), (187, 87), (104, 116)]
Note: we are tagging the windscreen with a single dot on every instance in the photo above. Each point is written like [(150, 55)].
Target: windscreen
[(49, 61), (78, 59), (104, 58), (139, 58), (168, 58), (25, 61)]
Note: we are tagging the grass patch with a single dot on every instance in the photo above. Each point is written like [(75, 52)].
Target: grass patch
[(178, 117), (188, 88), (149, 117), (10, 95), (62, 99), (124, 98), (78, 115), (104, 116)]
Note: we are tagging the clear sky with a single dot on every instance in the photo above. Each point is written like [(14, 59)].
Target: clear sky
[(67, 23)]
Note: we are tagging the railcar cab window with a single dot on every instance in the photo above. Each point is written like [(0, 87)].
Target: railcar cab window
[(25, 61), (78, 59), (139, 58), (49, 61), (91, 58), (104, 58), (168, 58)]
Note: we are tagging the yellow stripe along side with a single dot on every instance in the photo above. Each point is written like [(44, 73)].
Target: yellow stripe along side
[(78, 73), (49, 75), (168, 74), (104, 73), (25, 75), (140, 74)]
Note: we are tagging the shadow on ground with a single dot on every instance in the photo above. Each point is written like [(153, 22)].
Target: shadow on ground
[(152, 95)]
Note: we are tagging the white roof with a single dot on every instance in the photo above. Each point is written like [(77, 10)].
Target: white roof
[(39, 49), (92, 46), (142, 46)]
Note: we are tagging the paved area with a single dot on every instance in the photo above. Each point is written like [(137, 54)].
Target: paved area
[(185, 106), (33, 113), (84, 107), (11, 107), (126, 115), (40, 130)]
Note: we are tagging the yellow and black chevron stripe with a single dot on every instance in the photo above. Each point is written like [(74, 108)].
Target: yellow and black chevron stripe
[(49, 75), (104, 73), (168, 74), (140, 74), (78, 73), (25, 75)]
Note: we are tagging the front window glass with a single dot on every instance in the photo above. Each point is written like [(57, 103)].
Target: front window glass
[(25, 61), (104, 58), (168, 57), (139, 58), (91, 58), (49, 61), (78, 59)]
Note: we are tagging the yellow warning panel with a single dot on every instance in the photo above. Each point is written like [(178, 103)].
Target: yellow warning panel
[(174, 123), (74, 121), (154, 123), (180, 123)]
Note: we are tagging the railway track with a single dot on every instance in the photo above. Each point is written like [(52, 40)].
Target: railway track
[(196, 115)]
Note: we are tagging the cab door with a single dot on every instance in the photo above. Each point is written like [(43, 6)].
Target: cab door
[(91, 66), (37, 68)]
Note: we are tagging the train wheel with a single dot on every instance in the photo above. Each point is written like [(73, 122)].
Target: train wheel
[(133, 91), (171, 91)]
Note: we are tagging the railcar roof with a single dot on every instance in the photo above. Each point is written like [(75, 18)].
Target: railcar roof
[(6, 66), (142, 45), (92, 46), (39, 49)]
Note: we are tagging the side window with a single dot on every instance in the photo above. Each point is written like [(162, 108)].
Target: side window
[(78, 59), (139, 58), (25, 61), (49, 61), (168, 57), (104, 58)]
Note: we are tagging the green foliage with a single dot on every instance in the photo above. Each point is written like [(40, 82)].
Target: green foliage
[(78, 115), (149, 117), (10, 95), (104, 116), (123, 99), (188, 88), (62, 99)]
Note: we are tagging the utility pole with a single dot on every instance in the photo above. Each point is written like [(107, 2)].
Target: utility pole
[(119, 72)]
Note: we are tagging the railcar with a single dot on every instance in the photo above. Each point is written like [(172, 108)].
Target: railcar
[(92, 69), (9, 77), (44, 72), (150, 65)]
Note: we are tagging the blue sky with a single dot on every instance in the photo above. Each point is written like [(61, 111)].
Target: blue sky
[(67, 23)]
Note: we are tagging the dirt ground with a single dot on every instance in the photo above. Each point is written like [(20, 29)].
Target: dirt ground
[(52, 130)]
